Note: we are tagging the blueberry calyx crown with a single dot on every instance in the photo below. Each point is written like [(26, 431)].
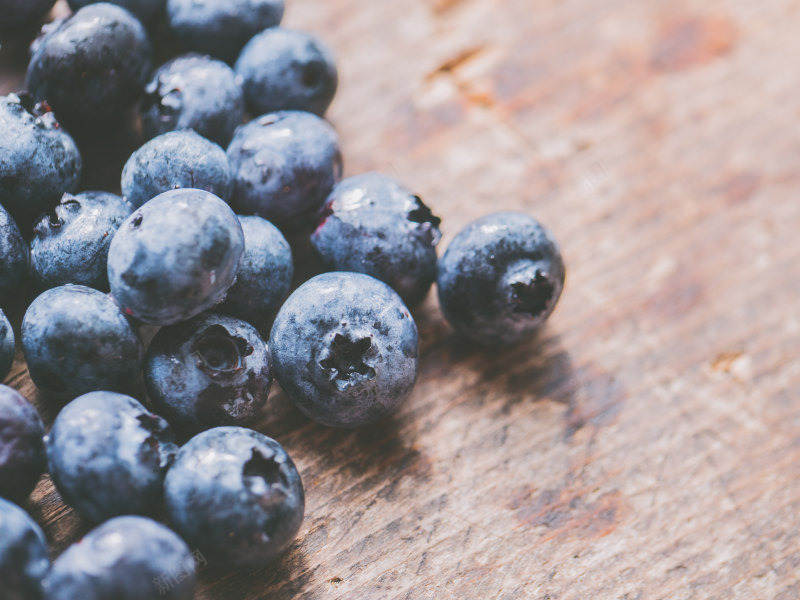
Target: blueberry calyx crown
[(155, 426), (263, 473), (220, 353), (429, 223), (346, 359), (533, 297)]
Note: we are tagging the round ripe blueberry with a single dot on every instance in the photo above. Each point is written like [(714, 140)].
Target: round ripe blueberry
[(108, 455), (76, 340), (220, 27), (39, 161), (285, 69), (70, 245), (344, 349), (500, 278), (371, 224), (13, 255), (175, 257), (24, 560), (18, 14), (236, 495), (178, 159), (144, 10), (212, 370), (193, 92), (266, 274), (22, 460), (284, 164), (92, 67), (125, 558), (7, 346)]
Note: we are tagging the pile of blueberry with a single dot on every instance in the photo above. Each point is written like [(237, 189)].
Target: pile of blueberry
[(197, 246)]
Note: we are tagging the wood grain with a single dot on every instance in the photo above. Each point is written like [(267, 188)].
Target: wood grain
[(647, 445)]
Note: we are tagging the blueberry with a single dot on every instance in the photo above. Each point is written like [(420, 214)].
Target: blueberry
[(126, 558), (500, 278), (266, 274), (24, 560), (39, 161), (236, 495), (285, 69), (22, 457), (144, 10), (344, 349), (193, 92), (76, 340), (371, 224), (7, 346), (175, 257), (108, 455), (284, 164), (13, 257), (212, 370), (220, 27), (70, 245), (178, 159), (18, 14), (92, 67)]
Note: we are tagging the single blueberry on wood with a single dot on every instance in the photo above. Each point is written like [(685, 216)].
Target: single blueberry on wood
[(76, 340), (284, 165), (175, 256), (193, 92), (371, 224), (500, 278), (220, 27), (22, 459), (125, 558), (236, 495), (91, 67), (70, 245), (286, 69), (209, 371), (265, 276), (39, 161), (178, 159), (24, 559), (344, 349), (108, 455)]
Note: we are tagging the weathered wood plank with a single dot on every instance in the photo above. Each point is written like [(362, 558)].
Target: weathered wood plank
[(647, 445)]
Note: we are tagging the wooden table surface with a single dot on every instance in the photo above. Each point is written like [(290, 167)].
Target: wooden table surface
[(647, 445)]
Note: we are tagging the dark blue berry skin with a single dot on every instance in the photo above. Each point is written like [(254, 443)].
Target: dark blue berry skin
[(286, 69), (175, 257), (13, 258), (266, 274), (76, 340), (18, 14), (209, 371), (24, 560), (220, 27), (126, 558), (108, 455), (236, 495), (178, 159), (144, 10), (39, 161), (344, 349), (193, 92), (371, 224), (70, 245), (284, 165), (500, 278), (92, 67), (22, 460), (7, 345)]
